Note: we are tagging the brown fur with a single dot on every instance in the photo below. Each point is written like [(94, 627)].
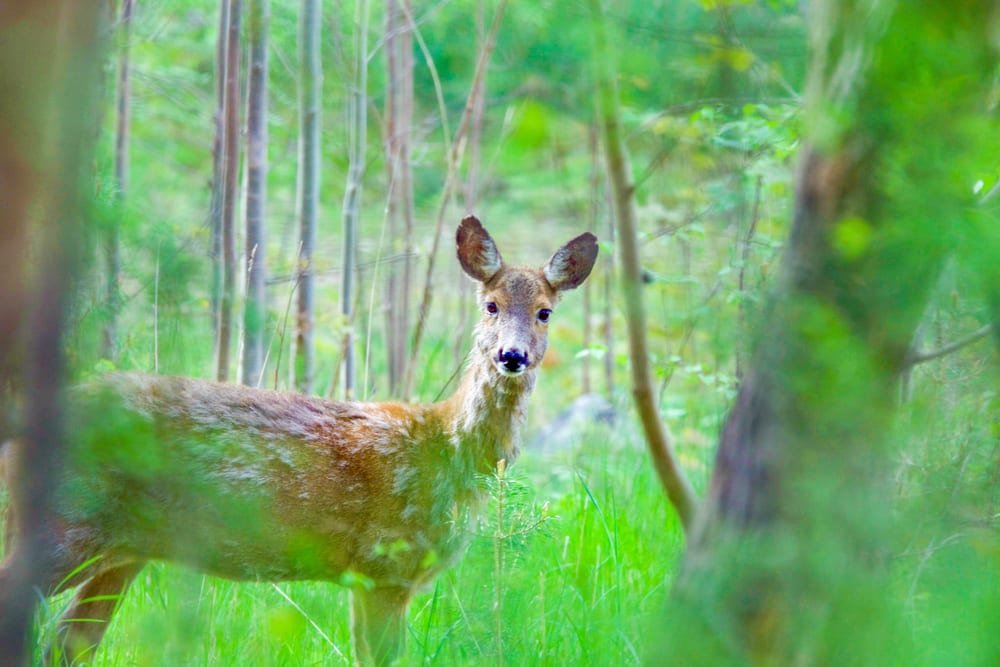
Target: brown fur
[(252, 484)]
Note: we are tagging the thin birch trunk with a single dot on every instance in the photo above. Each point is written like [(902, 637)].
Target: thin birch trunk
[(255, 307), (310, 88), (393, 167), (122, 132), (230, 190), (405, 126), (399, 203), (657, 437), (358, 133), (218, 166), (399, 122)]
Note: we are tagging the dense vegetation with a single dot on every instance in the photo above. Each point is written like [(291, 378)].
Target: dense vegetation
[(574, 558)]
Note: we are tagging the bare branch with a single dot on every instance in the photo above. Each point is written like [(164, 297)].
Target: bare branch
[(915, 358)]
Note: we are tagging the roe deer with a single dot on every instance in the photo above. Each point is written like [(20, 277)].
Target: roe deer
[(252, 484)]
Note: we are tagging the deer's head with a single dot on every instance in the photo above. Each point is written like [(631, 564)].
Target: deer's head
[(516, 302)]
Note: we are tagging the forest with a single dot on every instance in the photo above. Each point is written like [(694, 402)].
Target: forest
[(766, 427)]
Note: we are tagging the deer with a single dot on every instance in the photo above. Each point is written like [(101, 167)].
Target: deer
[(259, 485)]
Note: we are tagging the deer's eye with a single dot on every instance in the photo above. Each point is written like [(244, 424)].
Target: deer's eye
[(543, 315), (492, 308)]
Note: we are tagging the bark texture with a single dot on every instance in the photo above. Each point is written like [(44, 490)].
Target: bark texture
[(357, 128), (218, 165), (255, 308), (230, 192), (122, 165), (310, 121), (398, 129)]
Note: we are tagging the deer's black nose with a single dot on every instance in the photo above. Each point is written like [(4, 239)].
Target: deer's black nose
[(513, 359)]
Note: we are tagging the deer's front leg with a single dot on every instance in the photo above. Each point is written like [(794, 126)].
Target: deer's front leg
[(83, 626), (378, 624)]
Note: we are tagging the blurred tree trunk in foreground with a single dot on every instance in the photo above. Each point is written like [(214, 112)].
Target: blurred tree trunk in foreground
[(788, 564), (230, 189), (658, 439), (48, 77), (310, 107), (255, 307)]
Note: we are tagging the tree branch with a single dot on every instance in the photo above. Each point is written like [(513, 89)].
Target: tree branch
[(915, 358), (658, 439)]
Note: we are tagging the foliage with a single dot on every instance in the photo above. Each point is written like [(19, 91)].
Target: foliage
[(712, 115)]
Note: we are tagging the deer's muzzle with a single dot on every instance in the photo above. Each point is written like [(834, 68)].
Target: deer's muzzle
[(512, 361)]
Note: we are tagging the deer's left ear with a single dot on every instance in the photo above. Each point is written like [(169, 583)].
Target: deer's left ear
[(571, 264)]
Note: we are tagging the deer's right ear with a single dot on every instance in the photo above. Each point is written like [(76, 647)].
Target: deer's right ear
[(477, 252)]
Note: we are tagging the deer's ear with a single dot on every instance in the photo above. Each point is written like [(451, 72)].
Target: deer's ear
[(477, 252), (571, 264)]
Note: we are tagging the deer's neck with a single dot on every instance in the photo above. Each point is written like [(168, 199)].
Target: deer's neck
[(487, 412)]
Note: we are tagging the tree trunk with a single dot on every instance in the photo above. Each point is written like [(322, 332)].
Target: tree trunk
[(231, 163), (787, 565), (310, 108), (657, 437), (358, 137), (398, 128), (405, 127), (218, 167), (392, 278), (255, 309), (48, 80), (122, 127)]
